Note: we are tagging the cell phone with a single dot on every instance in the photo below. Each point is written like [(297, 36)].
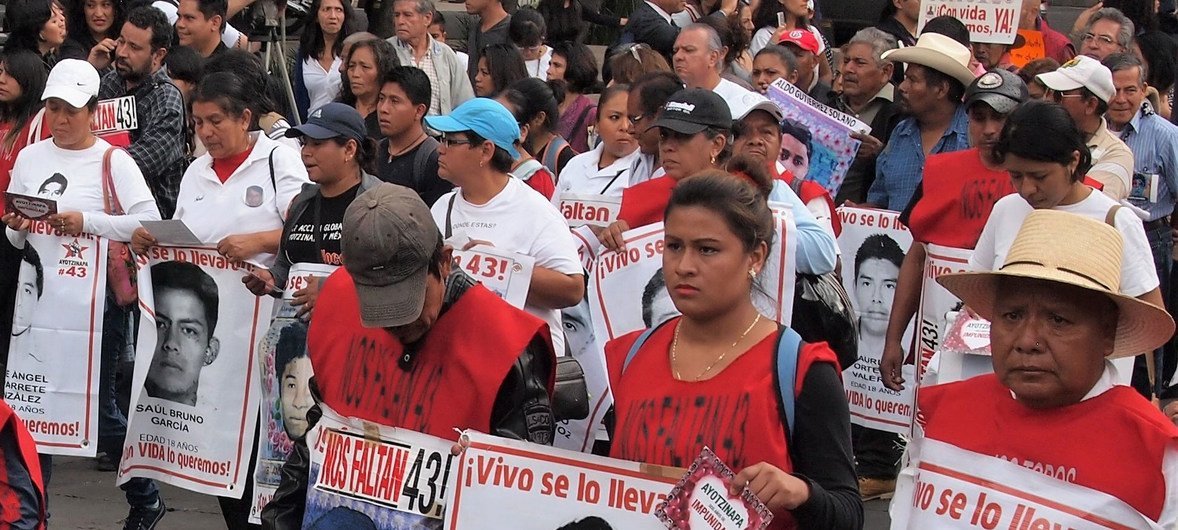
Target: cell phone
[(780, 19)]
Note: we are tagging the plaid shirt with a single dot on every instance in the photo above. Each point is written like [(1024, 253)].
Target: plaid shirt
[(900, 166), (158, 145)]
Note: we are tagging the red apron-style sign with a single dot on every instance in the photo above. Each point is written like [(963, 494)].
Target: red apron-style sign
[(959, 194)]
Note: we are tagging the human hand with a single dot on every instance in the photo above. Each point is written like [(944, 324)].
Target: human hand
[(102, 54), (141, 240), (869, 146), (780, 491), (69, 223), (16, 221), (611, 236), (889, 366), (304, 298), (260, 282), (237, 248), (1085, 15)]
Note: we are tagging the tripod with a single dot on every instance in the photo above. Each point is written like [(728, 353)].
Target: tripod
[(275, 24)]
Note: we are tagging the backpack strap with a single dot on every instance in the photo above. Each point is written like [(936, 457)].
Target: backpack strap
[(638, 344), (556, 146), (789, 347), (450, 210), (428, 147)]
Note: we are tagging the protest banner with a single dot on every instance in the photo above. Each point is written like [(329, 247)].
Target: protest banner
[(831, 148), (284, 369), (364, 475), (1033, 48), (954, 488), (873, 244), (936, 302), (701, 500), (505, 273), (989, 21), (195, 391), (579, 435), (581, 209), (501, 480), (55, 350)]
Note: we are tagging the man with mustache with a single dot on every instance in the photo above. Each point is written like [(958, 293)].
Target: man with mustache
[(158, 144)]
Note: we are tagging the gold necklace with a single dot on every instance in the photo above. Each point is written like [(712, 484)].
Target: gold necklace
[(675, 348)]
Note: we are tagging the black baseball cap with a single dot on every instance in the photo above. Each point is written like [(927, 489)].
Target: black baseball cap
[(999, 89), (333, 120), (691, 110)]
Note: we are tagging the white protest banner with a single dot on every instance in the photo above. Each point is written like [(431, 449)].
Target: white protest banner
[(505, 483), (953, 488), (56, 341), (826, 130), (581, 209), (588, 246), (579, 435), (873, 244), (366, 476), (989, 21), (775, 298), (936, 302), (113, 115), (507, 274), (284, 370), (195, 399)]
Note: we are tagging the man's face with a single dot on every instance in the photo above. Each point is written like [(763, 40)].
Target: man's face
[(1073, 101), (193, 29), (476, 7), (26, 299), (875, 287), (916, 92), (184, 343), (694, 63), (438, 32), (910, 9), (395, 111), (134, 58), (295, 396), (794, 156), (989, 54), (806, 63), (760, 137), (409, 24), (1100, 40), (640, 125), (1130, 94), (863, 76), (985, 125)]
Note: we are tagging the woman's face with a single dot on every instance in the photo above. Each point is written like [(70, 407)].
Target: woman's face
[(222, 134), (796, 8), (556, 67), (685, 155), (10, 90), (1044, 185), (484, 87), (53, 32), (457, 158), (100, 15), (70, 126), (295, 395), (613, 126), (331, 17), (362, 73), (768, 68), (327, 161), (746, 21), (704, 263)]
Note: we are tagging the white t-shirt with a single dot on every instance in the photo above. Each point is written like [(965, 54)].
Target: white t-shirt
[(74, 179), (1138, 275), (214, 210), (322, 86), (762, 36), (582, 175), (520, 220), (539, 67)]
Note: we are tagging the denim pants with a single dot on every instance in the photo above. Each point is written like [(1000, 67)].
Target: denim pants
[(1161, 245)]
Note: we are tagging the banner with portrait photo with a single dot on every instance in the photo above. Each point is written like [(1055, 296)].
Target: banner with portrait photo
[(196, 392), (366, 476), (55, 348), (873, 244), (505, 483), (579, 334), (284, 369), (823, 132), (936, 302)]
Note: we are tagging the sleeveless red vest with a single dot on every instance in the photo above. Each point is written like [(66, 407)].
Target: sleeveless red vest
[(1115, 442), (10, 425), (808, 191), (661, 420), (455, 376), (959, 194), (645, 203)]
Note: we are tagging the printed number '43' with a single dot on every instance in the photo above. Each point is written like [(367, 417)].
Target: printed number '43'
[(434, 471)]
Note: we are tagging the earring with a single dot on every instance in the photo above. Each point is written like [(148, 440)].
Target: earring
[(752, 274), (713, 160)]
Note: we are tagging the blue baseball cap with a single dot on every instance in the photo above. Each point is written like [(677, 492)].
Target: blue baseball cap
[(332, 120), (485, 117)]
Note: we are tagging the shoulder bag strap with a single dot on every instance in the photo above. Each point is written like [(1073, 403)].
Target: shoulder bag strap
[(449, 210), (421, 158), (110, 197), (638, 345)]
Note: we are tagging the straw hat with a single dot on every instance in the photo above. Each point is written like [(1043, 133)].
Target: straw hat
[(1070, 249), (938, 52)]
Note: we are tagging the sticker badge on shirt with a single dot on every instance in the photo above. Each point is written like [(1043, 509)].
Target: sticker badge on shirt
[(254, 196), (1145, 187)]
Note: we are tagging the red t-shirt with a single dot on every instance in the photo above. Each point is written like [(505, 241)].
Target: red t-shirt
[(224, 167), (542, 182), (959, 193), (645, 203), (8, 155)]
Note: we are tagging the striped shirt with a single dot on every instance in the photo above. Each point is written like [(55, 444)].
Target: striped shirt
[(1154, 142), (900, 166)]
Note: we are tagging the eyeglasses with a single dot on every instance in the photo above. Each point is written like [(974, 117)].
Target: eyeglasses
[(1103, 39), (451, 141)]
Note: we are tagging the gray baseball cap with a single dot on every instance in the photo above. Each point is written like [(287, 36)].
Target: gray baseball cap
[(998, 88), (389, 239)]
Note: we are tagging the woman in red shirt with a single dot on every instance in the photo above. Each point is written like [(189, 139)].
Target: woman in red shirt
[(22, 80), (708, 378)]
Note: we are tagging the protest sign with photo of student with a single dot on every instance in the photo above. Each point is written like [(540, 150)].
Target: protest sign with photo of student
[(936, 302), (284, 369), (363, 475), (55, 348), (873, 244), (826, 133), (505, 483), (195, 390)]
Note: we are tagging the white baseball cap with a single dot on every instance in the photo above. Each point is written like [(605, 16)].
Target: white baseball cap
[(1081, 72), (73, 81)]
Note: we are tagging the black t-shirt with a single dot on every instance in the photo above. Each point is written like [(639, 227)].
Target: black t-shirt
[(400, 170), (315, 237)]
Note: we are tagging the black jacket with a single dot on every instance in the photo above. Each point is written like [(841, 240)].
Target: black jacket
[(647, 26)]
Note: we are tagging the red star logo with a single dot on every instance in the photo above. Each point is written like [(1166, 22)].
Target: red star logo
[(74, 249)]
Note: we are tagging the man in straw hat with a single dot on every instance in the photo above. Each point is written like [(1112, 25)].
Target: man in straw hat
[(935, 78), (1049, 420)]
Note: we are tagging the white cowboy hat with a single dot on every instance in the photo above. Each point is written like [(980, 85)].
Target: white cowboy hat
[(938, 52), (1074, 250)]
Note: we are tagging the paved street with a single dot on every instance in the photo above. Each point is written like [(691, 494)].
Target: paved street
[(85, 499)]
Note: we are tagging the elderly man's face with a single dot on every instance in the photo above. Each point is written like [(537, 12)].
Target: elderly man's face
[(694, 62), (1049, 340), (1100, 40)]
